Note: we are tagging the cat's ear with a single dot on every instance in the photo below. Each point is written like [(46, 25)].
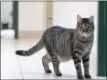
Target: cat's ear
[(91, 19), (79, 18)]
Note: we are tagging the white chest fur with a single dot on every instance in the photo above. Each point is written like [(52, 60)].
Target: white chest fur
[(85, 34)]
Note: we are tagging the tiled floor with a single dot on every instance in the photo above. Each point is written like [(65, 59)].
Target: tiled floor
[(17, 67)]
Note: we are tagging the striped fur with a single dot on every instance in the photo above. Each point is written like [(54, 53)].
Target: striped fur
[(63, 44)]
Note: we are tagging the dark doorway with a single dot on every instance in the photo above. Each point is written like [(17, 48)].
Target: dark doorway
[(9, 19)]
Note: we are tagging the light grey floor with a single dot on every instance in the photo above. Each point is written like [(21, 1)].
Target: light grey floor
[(17, 67)]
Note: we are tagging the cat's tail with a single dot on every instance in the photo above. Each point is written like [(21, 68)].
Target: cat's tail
[(32, 50)]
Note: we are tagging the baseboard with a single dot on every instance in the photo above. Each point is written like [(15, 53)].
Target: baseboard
[(30, 34)]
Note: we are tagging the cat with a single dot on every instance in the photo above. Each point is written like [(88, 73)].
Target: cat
[(63, 44)]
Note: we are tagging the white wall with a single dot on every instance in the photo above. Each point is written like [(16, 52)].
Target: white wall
[(65, 15), (6, 9), (31, 16)]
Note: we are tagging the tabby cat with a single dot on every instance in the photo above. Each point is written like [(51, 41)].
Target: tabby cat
[(63, 44)]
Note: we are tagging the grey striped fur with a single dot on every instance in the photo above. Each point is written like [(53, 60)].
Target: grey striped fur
[(63, 44)]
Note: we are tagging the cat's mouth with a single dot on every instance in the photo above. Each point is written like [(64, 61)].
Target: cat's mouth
[(85, 30), (84, 34)]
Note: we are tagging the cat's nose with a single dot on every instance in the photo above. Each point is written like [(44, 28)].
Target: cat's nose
[(85, 30)]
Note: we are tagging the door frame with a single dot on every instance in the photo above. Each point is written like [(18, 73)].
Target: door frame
[(48, 10), (15, 18), (102, 26)]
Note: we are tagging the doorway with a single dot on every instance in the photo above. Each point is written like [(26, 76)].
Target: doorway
[(7, 30), (9, 19)]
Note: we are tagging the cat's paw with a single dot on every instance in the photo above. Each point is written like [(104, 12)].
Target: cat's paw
[(87, 76), (48, 71), (58, 74), (80, 77), (20, 52)]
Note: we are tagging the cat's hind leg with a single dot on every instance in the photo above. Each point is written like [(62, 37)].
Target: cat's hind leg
[(46, 60), (56, 64), (54, 58)]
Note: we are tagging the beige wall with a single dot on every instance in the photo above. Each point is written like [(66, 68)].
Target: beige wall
[(31, 16)]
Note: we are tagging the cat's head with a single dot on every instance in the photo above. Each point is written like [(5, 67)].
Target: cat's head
[(85, 25)]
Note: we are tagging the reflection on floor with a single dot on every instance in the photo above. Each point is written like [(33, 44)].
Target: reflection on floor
[(8, 34), (17, 67)]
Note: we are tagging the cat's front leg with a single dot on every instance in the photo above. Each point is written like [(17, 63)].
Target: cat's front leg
[(77, 62), (86, 65)]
